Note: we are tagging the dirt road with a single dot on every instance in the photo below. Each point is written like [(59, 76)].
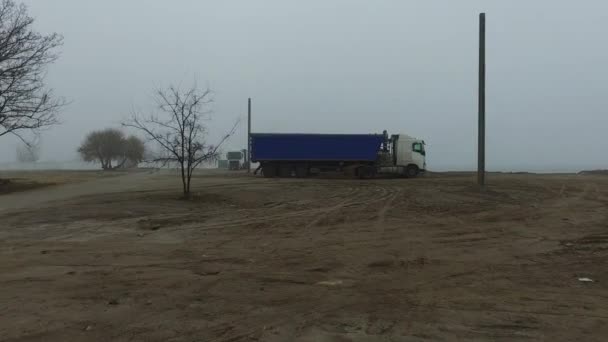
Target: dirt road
[(306, 260), (68, 189)]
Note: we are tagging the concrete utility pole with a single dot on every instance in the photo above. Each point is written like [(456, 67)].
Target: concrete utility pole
[(249, 135), (481, 130)]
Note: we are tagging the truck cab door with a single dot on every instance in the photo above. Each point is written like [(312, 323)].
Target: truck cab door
[(419, 154)]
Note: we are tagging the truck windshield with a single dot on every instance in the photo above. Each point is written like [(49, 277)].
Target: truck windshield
[(418, 147)]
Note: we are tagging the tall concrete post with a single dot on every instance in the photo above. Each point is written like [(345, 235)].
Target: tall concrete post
[(481, 129), (249, 135)]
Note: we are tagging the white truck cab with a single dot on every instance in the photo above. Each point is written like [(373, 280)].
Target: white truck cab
[(409, 154)]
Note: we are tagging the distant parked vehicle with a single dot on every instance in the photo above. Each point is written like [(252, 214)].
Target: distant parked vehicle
[(362, 155), (222, 164), (237, 160)]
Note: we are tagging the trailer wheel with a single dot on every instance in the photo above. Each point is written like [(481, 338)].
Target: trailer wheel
[(366, 172), (301, 171), (411, 171), (269, 170), (285, 170)]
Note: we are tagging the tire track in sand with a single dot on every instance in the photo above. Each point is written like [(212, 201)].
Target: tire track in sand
[(388, 205), (361, 198)]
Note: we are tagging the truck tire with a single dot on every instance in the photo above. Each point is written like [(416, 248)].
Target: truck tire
[(285, 170), (269, 170), (351, 171), (411, 171), (302, 171), (366, 172)]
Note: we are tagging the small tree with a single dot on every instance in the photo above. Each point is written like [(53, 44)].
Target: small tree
[(28, 153), (179, 130), (25, 104), (111, 145)]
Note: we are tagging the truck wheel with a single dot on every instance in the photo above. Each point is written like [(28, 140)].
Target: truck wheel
[(366, 172), (411, 171), (301, 171), (269, 170), (285, 170)]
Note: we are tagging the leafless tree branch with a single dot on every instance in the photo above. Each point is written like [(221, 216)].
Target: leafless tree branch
[(25, 103), (179, 130)]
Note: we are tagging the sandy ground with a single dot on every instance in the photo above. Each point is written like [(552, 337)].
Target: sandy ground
[(253, 259), (58, 177), (30, 179)]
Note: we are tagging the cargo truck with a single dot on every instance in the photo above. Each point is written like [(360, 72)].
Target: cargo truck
[(235, 160), (360, 155)]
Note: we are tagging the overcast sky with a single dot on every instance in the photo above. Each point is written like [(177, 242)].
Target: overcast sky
[(346, 66)]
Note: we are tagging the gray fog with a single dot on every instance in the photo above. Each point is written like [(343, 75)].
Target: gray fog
[(345, 66)]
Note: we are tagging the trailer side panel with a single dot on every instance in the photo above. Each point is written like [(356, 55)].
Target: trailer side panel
[(315, 147)]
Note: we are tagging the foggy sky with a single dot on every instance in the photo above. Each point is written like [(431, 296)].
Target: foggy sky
[(345, 66)]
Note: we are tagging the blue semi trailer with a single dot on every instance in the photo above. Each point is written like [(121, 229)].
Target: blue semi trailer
[(362, 155)]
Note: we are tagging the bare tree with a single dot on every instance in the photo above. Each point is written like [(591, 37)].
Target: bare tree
[(179, 130), (28, 153), (111, 145), (25, 103)]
